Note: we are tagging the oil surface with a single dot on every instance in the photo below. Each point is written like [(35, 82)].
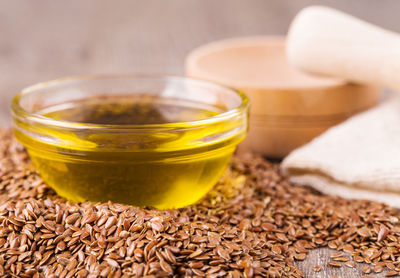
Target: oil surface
[(162, 169), (138, 110)]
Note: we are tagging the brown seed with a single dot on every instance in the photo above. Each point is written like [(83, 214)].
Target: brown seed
[(89, 218), (391, 273), (276, 249), (335, 264), (63, 261), (359, 259), (138, 254), (223, 253), (49, 225), (112, 262), (71, 265), (45, 258), (166, 267), (61, 246), (366, 269), (348, 248), (378, 269), (169, 256), (300, 256), (350, 264), (337, 254), (364, 232), (390, 265), (157, 226), (110, 222), (383, 232), (281, 237), (102, 220), (82, 273), (124, 234), (105, 271), (341, 259), (196, 264), (317, 268), (248, 272), (196, 253), (332, 245), (71, 219)]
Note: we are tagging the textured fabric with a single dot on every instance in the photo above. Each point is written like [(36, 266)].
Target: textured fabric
[(358, 159)]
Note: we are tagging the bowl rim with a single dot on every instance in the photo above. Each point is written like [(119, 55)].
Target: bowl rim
[(20, 113), (194, 57)]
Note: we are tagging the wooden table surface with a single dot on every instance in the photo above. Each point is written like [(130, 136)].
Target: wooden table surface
[(46, 39)]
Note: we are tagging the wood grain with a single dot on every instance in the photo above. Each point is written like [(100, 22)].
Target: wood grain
[(321, 257), (46, 39)]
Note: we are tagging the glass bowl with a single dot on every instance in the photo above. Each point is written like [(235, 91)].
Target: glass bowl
[(142, 140)]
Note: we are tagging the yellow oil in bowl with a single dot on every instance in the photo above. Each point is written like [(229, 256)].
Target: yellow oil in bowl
[(164, 149)]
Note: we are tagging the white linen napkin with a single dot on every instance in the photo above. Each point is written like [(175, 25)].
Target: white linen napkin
[(358, 159)]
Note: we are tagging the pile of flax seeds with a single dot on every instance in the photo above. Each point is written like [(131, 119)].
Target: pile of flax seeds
[(254, 223)]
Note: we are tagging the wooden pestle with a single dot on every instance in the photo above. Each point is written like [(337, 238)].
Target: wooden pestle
[(325, 41)]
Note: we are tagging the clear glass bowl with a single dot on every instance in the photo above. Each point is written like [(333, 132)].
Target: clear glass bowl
[(74, 134)]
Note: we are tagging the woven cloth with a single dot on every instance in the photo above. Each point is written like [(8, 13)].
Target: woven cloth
[(358, 159)]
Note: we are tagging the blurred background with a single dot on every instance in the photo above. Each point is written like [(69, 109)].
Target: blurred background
[(47, 39)]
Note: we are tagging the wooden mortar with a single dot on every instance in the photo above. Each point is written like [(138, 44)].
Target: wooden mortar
[(288, 107)]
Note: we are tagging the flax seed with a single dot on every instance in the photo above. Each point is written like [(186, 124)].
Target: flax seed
[(335, 264), (254, 223), (366, 269), (391, 273), (378, 269), (317, 268)]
